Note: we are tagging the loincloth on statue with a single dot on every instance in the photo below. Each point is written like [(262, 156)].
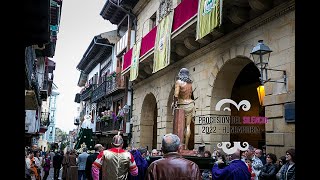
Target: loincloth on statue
[(189, 109)]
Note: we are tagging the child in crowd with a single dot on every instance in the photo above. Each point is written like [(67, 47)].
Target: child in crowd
[(249, 164)]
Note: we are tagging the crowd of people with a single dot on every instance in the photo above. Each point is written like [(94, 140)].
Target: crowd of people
[(167, 163)]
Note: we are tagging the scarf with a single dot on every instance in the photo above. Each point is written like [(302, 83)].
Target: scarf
[(33, 168)]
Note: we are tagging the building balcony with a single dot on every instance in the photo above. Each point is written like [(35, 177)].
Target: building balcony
[(77, 98), (32, 91), (109, 127), (31, 100), (183, 26), (99, 92), (115, 10), (115, 84), (122, 44), (237, 17), (45, 119), (86, 94), (44, 122)]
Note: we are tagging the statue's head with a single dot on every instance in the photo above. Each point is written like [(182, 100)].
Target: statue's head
[(184, 75), (184, 72)]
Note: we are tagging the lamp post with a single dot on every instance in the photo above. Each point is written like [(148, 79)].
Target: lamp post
[(126, 111), (261, 54)]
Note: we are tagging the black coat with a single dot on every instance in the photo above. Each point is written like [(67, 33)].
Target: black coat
[(90, 159), (268, 172), (57, 161)]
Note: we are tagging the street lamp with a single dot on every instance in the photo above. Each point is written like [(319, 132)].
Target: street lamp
[(126, 109), (261, 54)]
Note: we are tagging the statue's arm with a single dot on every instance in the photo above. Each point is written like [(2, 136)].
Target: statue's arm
[(176, 93)]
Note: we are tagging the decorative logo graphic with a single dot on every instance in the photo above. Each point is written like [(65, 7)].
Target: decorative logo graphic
[(161, 43), (246, 105), (226, 124), (225, 146), (208, 6), (134, 64)]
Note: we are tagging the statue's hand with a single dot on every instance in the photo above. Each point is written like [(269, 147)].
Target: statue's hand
[(175, 101)]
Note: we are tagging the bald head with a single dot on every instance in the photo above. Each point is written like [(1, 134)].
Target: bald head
[(258, 153), (236, 155), (98, 147), (170, 143)]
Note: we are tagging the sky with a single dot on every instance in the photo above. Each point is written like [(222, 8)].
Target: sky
[(80, 22)]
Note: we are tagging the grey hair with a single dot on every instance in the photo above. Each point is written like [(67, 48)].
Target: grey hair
[(170, 143)]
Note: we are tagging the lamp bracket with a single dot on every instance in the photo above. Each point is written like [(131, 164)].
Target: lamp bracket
[(284, 71), (276, 81), (269, 80)]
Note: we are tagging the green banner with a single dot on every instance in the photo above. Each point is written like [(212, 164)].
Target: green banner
[(209, 16), (134, 68), (163, 43)]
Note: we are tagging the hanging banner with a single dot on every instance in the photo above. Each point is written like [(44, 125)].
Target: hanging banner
[(163, 43), (209, 17), (134, 69)]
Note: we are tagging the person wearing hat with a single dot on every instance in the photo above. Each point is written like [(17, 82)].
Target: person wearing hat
[(115, 163)]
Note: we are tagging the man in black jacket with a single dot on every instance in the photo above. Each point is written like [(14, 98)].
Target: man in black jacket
[(91, 158), (57, 162)]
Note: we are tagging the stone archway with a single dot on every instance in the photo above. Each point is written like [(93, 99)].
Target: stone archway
[(231, 83), (148, 123)]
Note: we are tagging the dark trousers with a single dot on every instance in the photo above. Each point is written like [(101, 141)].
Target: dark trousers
[(28, 177), (81, 173), (56, 172), (46, 174)]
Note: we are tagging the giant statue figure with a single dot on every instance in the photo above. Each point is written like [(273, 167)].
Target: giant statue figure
[(182, 100)]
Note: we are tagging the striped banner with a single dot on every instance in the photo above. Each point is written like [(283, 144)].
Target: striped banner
[(163, 43), (134, 69), (209, 16)]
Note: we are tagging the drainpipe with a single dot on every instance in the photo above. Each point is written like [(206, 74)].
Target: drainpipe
[(95, 42)]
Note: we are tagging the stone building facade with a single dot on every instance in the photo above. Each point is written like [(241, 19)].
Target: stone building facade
[(216, 70)]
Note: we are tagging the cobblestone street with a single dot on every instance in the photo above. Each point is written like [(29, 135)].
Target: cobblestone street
[(50, 177)]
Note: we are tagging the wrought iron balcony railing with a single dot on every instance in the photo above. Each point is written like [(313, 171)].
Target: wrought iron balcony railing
[(86, 94), (114, 84), (99, 92), (110, 125)]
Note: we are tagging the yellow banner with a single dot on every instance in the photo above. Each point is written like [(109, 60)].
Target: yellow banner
[(209, 16), (134, 68), (163, 43)]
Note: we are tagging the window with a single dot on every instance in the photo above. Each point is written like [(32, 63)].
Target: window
[(153, 21)]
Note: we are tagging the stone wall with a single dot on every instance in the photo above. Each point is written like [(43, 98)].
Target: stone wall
[(278, 34)]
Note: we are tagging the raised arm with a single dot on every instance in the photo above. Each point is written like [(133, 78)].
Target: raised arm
[(133, 167), (96, 166)]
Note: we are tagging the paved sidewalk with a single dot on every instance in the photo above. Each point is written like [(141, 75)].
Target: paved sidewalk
[(50, 177)]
